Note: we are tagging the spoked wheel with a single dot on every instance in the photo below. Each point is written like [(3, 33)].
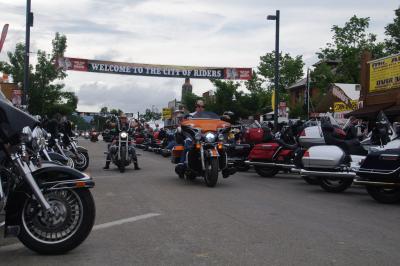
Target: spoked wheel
[(384, 195), (64, 229), (335, 185), (266, 171), (211, 172), (82, 161)]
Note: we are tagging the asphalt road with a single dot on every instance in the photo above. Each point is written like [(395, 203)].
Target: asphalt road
[(150, 217)]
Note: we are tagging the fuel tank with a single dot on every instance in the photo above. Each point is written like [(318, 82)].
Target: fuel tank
[(326, 156)]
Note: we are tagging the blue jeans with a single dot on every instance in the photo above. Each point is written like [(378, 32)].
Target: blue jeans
[(187, 145)]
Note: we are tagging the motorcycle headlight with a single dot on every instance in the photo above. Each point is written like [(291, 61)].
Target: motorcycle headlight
[(26, 134), (123, 135), (210, 137)]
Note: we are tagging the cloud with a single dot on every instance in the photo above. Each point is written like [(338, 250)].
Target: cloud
[(181, 32)]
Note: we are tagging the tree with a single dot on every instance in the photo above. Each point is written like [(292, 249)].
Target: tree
[(189, 100), (150, 115), (116, 112), (348, 44), (392, 30), (104, 110), (45, 96), (290, 68)]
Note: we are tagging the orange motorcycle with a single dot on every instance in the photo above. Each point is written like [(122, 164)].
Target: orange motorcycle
[(200, 148)]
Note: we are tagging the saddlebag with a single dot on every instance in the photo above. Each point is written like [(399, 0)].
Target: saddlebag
[(325, 156), (263, 151)]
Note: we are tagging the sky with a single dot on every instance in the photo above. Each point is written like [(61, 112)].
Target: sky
[(223, 33)]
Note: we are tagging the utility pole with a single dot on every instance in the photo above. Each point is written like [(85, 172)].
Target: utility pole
[(29, 24), (276, 17)]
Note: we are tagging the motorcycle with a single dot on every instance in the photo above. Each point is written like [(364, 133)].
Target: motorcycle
[(79, 154), (336, 163), (94, 136), (48, 207), (276, 153), (380, 173), (204, 135), (121, 153)]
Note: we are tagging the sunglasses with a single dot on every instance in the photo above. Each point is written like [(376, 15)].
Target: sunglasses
[(200, 106)]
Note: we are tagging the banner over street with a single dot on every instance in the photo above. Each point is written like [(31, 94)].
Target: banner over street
[(168, 71)]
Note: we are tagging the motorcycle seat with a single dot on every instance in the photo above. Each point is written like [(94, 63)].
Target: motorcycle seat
[(287, 146)]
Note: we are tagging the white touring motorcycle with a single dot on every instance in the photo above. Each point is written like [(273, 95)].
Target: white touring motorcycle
[(336, 163)]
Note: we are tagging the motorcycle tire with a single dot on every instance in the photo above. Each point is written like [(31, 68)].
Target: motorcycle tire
[(311, 180), (83, 163), (341, 185), (121, 166), (266, 172), (384, 195), (30, 234), (211, 172)]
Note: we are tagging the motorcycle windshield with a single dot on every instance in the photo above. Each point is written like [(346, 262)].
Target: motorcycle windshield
[(13, 120), (382, 118), (205, 115)]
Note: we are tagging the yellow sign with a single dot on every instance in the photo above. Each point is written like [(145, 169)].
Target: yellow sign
[(166, 113), (273, 100), (384, 74), (339, 107)]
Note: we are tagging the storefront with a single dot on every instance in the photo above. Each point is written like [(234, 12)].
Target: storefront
[(380, 91)]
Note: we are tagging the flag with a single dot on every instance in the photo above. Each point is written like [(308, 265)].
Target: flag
[(273, 100), (3, 36)]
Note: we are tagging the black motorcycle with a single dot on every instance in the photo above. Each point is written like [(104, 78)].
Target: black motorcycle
[(48, 207), (380, 172)]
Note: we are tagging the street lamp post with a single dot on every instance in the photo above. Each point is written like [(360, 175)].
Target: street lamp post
[(276, 17), (29, 24)]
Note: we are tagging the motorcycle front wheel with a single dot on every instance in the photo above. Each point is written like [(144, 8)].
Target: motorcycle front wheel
[(211, 172), (82, 162), (62, 231)]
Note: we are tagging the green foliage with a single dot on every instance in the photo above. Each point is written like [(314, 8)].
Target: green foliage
[(290, 69), (348, 44), (115, 112), (189, 100), (298, 111), (150, 115), (80, 122), (45, 96), (392, 30)]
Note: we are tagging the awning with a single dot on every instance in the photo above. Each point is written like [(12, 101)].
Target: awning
[(369, 112), (394, 110)]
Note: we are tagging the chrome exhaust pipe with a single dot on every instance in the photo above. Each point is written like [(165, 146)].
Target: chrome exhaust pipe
[(375, 183), (285, 166), (326, 174)]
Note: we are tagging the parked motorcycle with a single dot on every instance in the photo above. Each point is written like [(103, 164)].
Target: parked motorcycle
[(48, 207), (276, 153), (335, 165), (200, 139)]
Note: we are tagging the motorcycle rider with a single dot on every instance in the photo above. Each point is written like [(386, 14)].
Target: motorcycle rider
[(124, 127)]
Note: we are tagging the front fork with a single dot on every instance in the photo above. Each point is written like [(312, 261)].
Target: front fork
[(27, 176)]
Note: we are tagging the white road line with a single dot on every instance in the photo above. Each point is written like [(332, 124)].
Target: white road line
[(124, 221), (95, 228)]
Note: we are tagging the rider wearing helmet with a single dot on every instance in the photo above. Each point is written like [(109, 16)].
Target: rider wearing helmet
[(124, 126)]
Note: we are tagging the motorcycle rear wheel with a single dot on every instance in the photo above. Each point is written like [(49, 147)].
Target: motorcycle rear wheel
[(336, 185), (57, 234), (384, 195), (266, 171)]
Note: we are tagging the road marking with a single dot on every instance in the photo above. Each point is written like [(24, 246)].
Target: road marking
[(124, 221), (95, 228)]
